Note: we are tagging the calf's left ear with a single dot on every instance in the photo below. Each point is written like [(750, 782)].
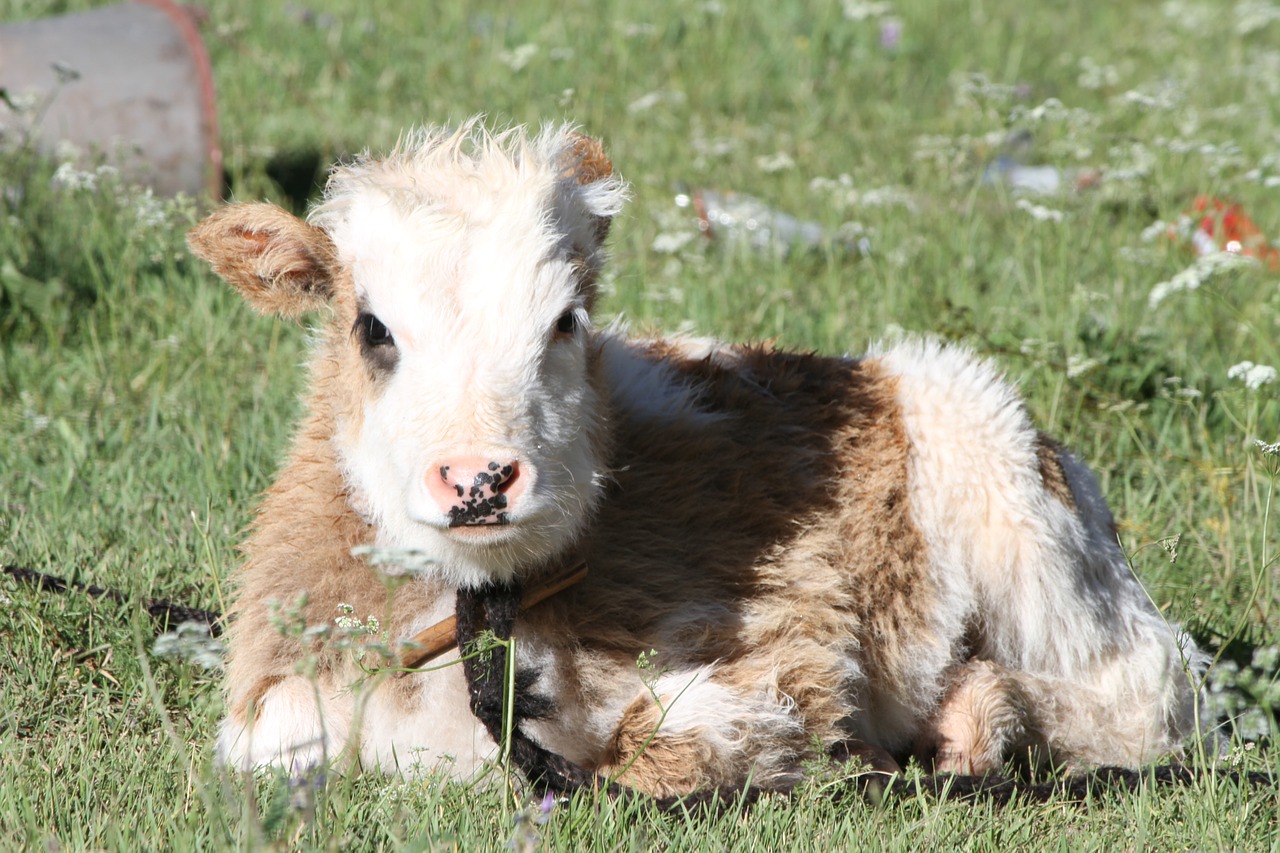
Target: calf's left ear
[(279, 263)]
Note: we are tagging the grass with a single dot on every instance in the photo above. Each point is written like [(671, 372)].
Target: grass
[(142, 406)]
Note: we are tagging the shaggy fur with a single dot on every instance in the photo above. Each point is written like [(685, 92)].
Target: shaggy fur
[(812, 554)]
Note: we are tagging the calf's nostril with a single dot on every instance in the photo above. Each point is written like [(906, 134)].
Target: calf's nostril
[(476, 491), (504, 476)]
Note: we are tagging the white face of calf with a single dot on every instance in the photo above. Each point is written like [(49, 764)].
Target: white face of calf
[(458, 364)]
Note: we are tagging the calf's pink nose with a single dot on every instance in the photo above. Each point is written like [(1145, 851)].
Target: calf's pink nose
[(474, 491)]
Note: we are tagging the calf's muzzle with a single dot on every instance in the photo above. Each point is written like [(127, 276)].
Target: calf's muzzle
[(474, 491)]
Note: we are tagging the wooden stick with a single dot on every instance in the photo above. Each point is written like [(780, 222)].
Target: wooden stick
[(437, 639)]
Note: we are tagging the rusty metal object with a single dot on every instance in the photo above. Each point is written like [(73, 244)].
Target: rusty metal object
[(130, 83)]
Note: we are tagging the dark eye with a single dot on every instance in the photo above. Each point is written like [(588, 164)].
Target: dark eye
[(375, 333), (568, 323)]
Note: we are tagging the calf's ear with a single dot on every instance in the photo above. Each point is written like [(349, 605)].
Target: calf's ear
[(282, 265), (587, 161), (587, 164)]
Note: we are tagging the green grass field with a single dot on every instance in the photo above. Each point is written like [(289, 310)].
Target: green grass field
[(142, 405)]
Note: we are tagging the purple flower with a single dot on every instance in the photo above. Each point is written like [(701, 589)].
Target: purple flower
[(890, 33), (545, 808)]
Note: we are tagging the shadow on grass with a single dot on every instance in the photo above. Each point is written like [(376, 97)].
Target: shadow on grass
[(300, 175)]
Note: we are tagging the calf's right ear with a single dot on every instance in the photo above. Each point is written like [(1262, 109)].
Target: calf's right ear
[(282, 265)]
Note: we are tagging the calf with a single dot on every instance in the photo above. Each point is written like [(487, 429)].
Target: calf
[(809, 552)]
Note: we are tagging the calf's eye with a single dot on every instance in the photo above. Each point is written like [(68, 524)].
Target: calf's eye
[(375, 333), (567, 324)]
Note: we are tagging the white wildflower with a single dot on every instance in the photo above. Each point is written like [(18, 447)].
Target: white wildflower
[(1218, 157), (1193, 17), (631, 29), (24, 102), (668, 243), (1264, 70), (827, 185), (932, 146), (39, 423), (1130, 162), (1081, 295), (350, 624), (1254, 16), (974, 89), (894, 332), (1095, 76), (1155, 231), (1135, 98), (861, 10), (1267, 172), (1039, 212), (1050, 109), (66, 151), (191, 641), (648, 101), (149, 211), (778, 162), (69, 177), (1206, 268), (843, 194), (902, 253), (717, 147), (673, 293), (886, 197), (1266, 658), (1143, 256), (518, 57), (396, 561), (1268, 449), (1254, 376), (840, 189), (1078, 365), (1162, 96), (314, 633)]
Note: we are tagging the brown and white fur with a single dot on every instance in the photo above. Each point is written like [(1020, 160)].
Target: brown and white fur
[(819, 551)]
